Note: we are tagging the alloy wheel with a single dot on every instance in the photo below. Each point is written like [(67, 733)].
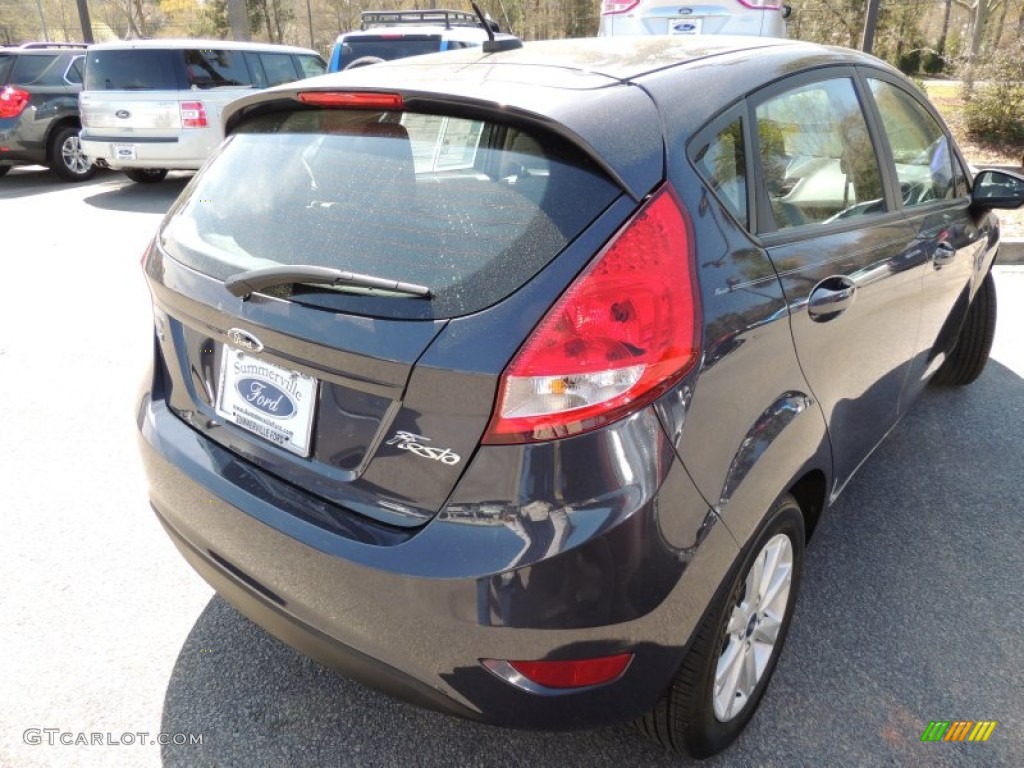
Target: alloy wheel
[(73, 157), (753, 628)]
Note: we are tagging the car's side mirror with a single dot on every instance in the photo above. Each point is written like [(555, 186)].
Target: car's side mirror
[(787, 11), (998, 189)]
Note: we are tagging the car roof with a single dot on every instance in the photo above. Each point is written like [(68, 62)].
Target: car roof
[(189, 44), (577, 88)]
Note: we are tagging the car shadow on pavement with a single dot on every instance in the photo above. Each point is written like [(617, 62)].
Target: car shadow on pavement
[(35, 180), (909, 612), (141, 198)]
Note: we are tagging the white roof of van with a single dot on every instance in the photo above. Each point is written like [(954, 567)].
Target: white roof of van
[(177, 44)]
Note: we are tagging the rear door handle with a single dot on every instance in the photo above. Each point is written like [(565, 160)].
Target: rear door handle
[(830, 298), (944, 254)]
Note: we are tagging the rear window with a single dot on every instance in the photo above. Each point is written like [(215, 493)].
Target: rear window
[(6, 65), (388, 48), (469, 208), (133, 69)]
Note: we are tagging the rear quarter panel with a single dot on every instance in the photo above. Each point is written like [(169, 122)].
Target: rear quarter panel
[(748, 428)]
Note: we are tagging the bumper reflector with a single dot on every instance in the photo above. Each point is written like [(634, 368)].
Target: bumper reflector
[(561, 674)]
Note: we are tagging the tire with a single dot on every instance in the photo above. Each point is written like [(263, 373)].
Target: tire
[(967, 360), (66, 157), (690, 718), (146, 175)]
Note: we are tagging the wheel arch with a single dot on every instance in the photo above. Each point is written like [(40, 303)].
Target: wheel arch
[(811, 493), (785, 451), (66, 121)]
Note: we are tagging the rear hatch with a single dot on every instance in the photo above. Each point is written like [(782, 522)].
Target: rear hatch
[(153, 93), (340, 389), (133, 91)]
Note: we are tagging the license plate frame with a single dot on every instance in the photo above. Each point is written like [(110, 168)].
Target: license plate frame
[(685, 25), (275, 403), (125, 151)]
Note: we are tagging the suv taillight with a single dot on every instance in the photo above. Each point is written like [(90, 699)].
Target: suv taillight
[(624, 332), (611, 7), (13, 101), (193, 114), (762, 5)]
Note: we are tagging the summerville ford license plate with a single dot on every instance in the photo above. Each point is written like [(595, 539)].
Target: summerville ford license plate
[(273, 402)]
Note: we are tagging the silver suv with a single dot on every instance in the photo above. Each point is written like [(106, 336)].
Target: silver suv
[(762, 18), (150, 106)]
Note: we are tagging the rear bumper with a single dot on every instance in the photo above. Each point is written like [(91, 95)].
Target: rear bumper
[(186, 151), (414, 613)]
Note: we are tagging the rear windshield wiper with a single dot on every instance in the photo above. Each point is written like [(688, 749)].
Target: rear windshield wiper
[(245, 283)]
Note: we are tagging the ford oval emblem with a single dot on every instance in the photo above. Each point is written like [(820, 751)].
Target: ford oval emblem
[(685, 11), (265, 397), (244, 340), (124, 114)]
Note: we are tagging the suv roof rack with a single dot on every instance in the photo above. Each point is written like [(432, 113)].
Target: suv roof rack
[(429, 17), (32, 46)]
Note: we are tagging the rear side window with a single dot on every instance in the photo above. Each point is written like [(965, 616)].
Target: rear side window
[(723, 164), (36, 70), (469, 208), (133, 69), (76, 71), (278, 67), (311, 66), (208, 68), (920, 149), (817, 159)]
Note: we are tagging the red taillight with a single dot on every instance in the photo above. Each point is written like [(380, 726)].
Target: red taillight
[(13, 101), (611, 7), (352, 99), (193, 114), (573, 673), (762, 5), (624, 332)]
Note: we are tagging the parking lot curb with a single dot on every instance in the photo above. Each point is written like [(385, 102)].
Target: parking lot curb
[(1011, 251)]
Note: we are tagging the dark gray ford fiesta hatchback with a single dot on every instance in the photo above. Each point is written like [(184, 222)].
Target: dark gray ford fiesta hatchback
[(514, 383)]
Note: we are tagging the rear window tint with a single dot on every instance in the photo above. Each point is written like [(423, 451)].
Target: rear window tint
[(6, 65), (134, 69), (469, 208)]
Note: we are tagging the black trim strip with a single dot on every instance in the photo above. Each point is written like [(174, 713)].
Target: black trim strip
[(84, 136)]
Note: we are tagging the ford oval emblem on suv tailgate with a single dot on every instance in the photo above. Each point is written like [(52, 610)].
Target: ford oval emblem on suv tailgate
[(124, 114), (244, 340)]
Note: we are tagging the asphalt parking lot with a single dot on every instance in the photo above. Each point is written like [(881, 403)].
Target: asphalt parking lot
[(910, 611)]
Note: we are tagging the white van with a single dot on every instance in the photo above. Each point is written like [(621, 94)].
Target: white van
[(149, 106), (762, 18)]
